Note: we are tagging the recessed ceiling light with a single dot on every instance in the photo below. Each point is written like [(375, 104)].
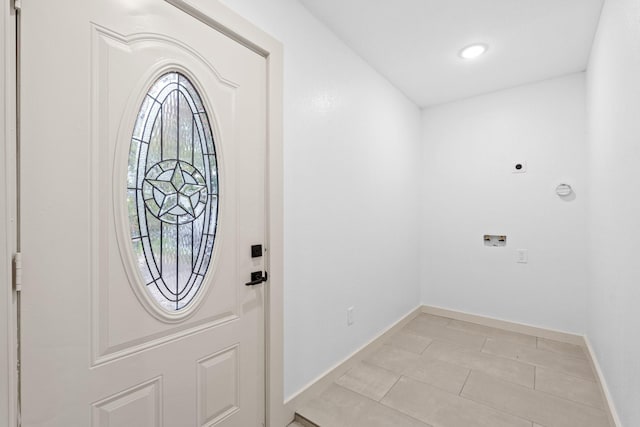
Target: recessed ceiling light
[(473, 51)]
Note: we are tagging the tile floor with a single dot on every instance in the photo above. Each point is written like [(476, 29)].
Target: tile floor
[(439, 372)]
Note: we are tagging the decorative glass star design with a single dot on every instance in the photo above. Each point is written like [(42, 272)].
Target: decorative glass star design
[(175, 192)]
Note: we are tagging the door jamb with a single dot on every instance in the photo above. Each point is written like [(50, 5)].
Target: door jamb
[(8, 216), (233, 25)]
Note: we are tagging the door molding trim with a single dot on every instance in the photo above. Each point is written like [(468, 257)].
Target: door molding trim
[(234, 26), (8, 217)]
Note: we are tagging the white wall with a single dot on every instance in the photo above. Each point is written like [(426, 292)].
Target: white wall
[(469, 190), (614, 133), (351, 153)]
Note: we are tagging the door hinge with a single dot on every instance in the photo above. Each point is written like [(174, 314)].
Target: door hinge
[(17, 4), (17, 271)]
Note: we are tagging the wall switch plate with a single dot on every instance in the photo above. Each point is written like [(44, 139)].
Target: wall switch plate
[(522, 256), (350, 316), (519, 167)]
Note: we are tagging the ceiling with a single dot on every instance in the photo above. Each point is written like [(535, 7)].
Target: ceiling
[(415, 43)]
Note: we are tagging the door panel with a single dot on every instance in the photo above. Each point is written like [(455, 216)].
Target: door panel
[(139, 406), (149, 56), (95, 349)]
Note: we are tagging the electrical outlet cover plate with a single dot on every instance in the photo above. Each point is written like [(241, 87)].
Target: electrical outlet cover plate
[(350, 316), (522, 256)]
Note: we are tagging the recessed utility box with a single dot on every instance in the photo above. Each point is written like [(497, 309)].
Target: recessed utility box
[(495, 240)]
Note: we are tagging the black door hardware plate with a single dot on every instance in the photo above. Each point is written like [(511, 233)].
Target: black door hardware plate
[(256, 251)]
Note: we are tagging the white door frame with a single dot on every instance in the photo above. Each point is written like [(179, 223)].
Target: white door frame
[(220, 17), (8, 215)]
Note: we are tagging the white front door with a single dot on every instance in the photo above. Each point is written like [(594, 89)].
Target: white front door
[(143, 143)]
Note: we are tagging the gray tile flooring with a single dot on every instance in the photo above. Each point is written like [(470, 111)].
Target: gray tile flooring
[(439, 372)]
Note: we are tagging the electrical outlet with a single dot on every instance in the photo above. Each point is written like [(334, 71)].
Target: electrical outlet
[(350, 316), (522, 256)]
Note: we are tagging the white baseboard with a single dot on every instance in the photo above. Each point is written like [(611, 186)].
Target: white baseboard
[(614, 419), (315, 387), (506, 325)]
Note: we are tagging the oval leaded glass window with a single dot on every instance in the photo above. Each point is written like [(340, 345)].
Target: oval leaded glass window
[(172, 191)]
